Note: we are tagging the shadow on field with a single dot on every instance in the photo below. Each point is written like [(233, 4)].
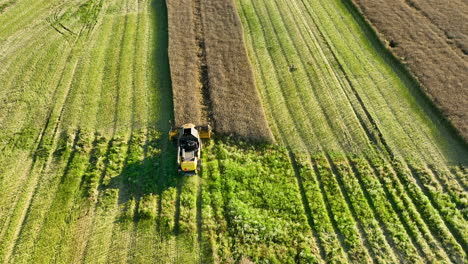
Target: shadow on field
[(163, 107), (156, 173)]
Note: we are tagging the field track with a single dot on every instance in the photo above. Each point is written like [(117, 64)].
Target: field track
[(365, 171)]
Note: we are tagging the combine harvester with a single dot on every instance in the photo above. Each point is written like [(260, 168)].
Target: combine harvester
[(189, 143)]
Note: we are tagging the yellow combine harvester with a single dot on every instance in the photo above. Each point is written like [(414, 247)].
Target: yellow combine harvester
[(189, 143)]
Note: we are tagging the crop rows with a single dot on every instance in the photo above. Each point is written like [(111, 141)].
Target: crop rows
[(68, 191), (362, 175), (372, 154)]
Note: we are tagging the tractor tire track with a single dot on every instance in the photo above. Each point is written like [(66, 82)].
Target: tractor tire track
[(22, 73), (90, 213), (62, 200), (424, 207), (142, 46), (352, 75), (364, 124), (124, 194), (88, 124), (42, 166), (433, 116), (306, 205), (368, 124), (119, 184), (419, 230), (32, 153), (383, 97), (349, 77), (98, 242), (26, 14), (434, 243), (305, 105), (84, 226), (35, 172), (53, 136), (456, 228), (411, 87), (20, 39), (325, 82), (347, 192), (379, 214), (324, 55), (394, 211), (450, 187), (283, 137), (10, 188), (118, 77), (289, 99), (270, 98), (340, 236), (461, 176), (53, 161)]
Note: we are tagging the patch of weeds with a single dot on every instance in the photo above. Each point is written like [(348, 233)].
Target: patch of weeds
[(147, 206)]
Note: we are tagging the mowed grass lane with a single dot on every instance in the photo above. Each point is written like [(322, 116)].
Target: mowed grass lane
[(332, 90), (86, 103), (93, 177)]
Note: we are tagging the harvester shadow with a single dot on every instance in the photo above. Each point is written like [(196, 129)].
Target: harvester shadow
[(156, 174), (152, 175)]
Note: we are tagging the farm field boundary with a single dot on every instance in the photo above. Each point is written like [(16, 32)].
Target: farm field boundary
[(408, 27)]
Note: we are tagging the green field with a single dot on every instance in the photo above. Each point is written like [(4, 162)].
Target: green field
[(365, 169), (377, 147)]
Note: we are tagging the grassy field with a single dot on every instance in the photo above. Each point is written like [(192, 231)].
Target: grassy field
[(86, 97), (438, 59), (365, 170), (385, 164)]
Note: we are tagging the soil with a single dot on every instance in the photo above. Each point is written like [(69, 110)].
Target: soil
[(212, 78), (431, 38)]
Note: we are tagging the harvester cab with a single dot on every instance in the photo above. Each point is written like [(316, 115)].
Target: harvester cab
[(189, 143)]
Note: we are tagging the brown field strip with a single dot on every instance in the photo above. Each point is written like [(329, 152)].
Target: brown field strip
[(211, 75), (183, 62), (430, 38)]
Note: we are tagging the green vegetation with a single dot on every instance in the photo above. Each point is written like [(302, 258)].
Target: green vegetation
[(376, 161), (362, 173), (256, 191)]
